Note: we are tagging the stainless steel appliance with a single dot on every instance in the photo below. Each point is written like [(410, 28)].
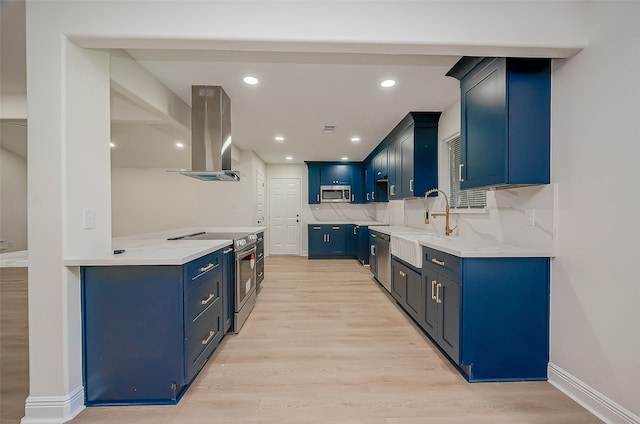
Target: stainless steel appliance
[(245, 278), (384, 260), (335, 194)]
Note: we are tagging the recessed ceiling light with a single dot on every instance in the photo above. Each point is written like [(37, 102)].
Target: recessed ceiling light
[(251, 80), (289, 158), (112, 144), (344, 158), (355, 139), (179, 145), (388, 83), (279, 138)]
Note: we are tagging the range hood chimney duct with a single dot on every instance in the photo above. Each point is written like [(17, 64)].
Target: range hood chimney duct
[(211, 135)]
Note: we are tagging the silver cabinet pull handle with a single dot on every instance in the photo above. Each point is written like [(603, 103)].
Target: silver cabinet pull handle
[(433, 290), (393, 190), (261, 274), (411, 185), (367, 196), (460, 172), (208, 339), (228, 250), (438, 300), (316, 228), (402, 274), (207, 268), (355, 229), (328, 237), (318, 197), (353, 197), (373, 195), (335, 228), (373, 250), (437, 262), (260, 255), (208, 299)]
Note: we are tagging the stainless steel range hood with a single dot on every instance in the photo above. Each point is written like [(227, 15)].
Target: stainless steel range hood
[(211, 135)]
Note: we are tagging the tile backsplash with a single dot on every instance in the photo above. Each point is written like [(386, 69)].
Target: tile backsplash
[(345, 212), (505, 218)]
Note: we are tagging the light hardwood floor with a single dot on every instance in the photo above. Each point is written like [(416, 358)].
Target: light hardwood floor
[(325, 344), (14, 344)]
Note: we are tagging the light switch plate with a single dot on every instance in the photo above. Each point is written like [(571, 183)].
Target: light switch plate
[(530, 217), (89, 218)]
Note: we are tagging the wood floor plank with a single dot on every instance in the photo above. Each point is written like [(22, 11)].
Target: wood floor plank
[(326, 344)]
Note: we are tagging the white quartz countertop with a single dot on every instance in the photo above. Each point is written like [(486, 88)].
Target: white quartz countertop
[(466, 248), (155, 249), (394, 229)]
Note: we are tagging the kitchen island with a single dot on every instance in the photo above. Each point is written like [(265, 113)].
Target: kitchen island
[(152, 315)]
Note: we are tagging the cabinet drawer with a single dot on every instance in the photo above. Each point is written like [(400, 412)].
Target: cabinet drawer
[(444, 263), (202, 337), (201, 266), (204, 288)]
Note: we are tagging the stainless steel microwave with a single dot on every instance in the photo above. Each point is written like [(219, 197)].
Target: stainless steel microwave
[(335, 194)]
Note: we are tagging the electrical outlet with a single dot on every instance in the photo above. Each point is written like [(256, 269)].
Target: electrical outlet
[(530, 217), (89, 218), (426, 217)]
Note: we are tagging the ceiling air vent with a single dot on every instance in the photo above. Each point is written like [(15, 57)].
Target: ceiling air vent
[(328, 129)]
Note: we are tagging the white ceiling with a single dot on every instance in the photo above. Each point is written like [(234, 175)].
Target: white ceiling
[(297, 95)]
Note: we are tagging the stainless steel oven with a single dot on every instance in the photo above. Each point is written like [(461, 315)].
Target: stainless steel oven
[(245, 285)]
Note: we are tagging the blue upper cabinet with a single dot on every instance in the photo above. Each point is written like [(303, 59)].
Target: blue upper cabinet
[(336, 173), (380, 165), (412, 157), (314, 183), (506, 116), (340, 174)]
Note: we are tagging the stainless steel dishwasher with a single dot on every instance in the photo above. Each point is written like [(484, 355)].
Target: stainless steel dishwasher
[(384, 260)]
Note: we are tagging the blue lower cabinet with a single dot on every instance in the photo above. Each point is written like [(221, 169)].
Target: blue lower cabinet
[(362, 244), (330, 241), (148, 330), (490, 316)]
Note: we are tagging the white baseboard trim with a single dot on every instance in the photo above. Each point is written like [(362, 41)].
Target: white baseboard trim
[(53, 409), (595, 402)]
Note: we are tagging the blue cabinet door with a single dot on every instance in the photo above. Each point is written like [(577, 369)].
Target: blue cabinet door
[(448, 301), (483, 147), (420, 162), (357, 183), (506, 116), (363, 244), (314, 183), (369, 182), (429, 318), (317, 240), (337, 239), (406, 174), (380, 165), (394, 169), (336, 175)]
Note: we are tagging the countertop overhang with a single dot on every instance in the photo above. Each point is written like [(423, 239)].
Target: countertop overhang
[(155, 249)]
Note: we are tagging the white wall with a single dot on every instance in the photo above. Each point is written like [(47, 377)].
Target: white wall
[(150, 199), (13, 202), (595, 318)]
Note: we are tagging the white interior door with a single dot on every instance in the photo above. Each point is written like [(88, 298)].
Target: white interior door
[(260, 198), (284, 216)]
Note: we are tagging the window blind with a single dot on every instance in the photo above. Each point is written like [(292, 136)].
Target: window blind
[(461, 199)]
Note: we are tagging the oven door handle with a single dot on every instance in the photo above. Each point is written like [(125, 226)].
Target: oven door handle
[(244, 253)]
